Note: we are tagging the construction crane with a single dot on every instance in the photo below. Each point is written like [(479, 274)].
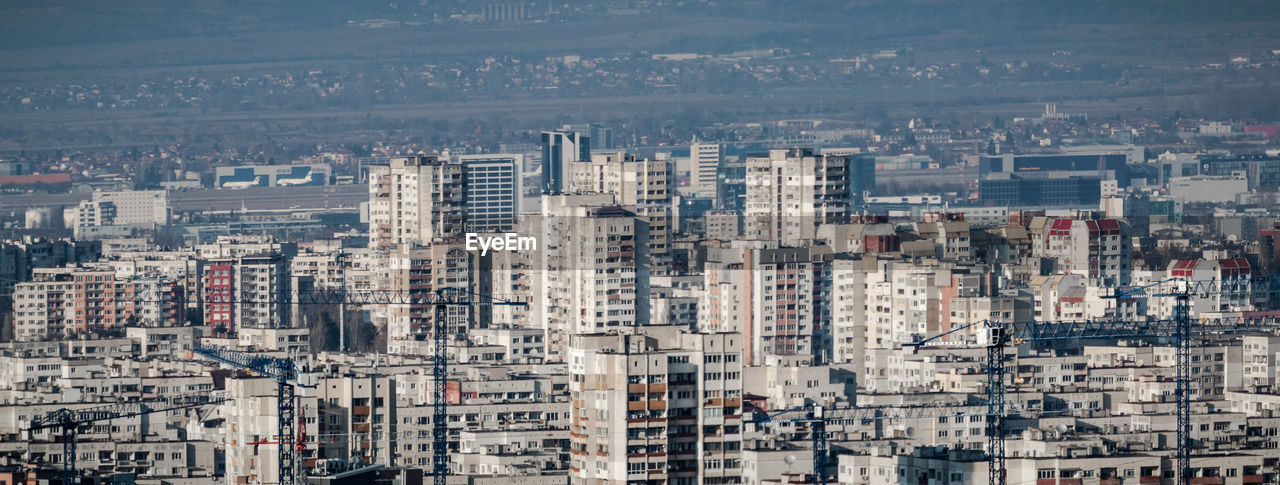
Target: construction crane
[(1181, 290), (285, 372), (446, 297), (69, 422), (1182, 362), (1001, 334)]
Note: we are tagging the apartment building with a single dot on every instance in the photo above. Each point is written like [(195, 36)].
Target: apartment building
[(510, 276), (846, 295), (1233, 280), (594, 268), (786, 313), (246, 292), (720, 308), (704, 165), (415, 200), (951, 239), (641, 186), (1260, 357), (657, 405), (129, 208), (65, 302), (1097, 249), (417, 272), (236, 245), (40, 308), (790, 191)]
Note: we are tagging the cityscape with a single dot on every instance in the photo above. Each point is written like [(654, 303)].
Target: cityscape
[(639, 242)]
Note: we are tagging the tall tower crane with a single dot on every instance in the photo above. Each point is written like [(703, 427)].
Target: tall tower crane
[(1182, 341), (446, 297), (285, 372), (69, 422)]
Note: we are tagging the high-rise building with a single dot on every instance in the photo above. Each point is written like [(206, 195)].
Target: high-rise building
[(642, 186), (775, 297), (129, 208), (790, 191), (594, 268), (656, 405), (417, 272), (415, 200), (862, 178), (601, 136), (492, 191), (246, 292), (1096, 249), (704, 167), (559, 149), (846, 295), (731, 185)]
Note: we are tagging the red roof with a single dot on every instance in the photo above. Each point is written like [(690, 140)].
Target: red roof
[(1060, 227), (1104, 227), (47, 178), (1182, 267), (1234, 267), (1269, 130)]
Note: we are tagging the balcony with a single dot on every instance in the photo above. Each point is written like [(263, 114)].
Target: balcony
[(1149, 480)]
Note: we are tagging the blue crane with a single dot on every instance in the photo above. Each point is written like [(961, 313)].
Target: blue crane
[(446, 297), (69, 421), (285, 372)]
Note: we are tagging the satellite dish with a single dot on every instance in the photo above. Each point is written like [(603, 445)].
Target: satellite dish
[(911, 432), (790, 459), (1062, 428)]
